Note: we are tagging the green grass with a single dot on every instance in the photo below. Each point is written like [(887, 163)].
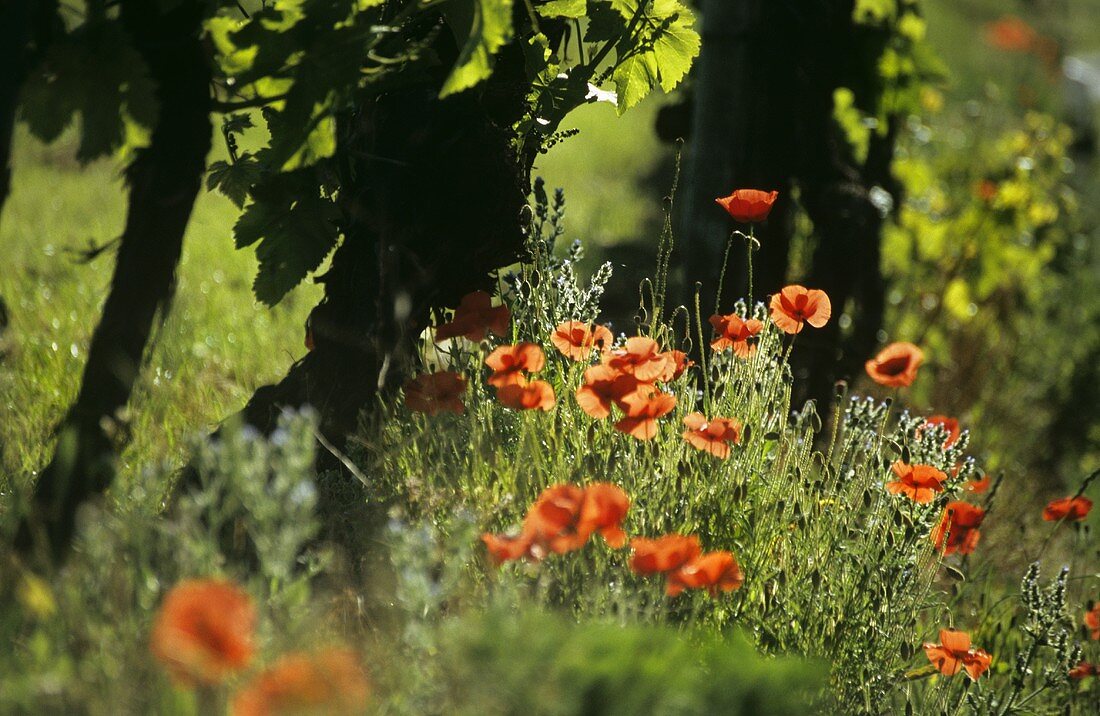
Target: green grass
[(216, 346)]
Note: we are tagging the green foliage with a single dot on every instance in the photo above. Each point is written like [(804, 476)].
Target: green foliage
[(486, 26), (96, 73), (501, 662)]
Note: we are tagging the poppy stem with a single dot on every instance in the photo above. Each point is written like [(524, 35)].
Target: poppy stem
[(749, 241), (722, 273)]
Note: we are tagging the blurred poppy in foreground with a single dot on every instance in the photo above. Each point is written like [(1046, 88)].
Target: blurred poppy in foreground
[(603, 511), (527, 395), (576, 340), (1067, 508), (734, 332), (663, 554), (432, 393), (954, 653), (978, 485), (896, 365), (713, 571), (794, 306), (329, 682), (957, 530), (920, 483), (509, 363), (203, 631), (713, 436), (748, 206), (474, 318)]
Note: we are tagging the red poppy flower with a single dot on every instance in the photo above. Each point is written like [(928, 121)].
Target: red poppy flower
[(795, 306), (1092, 621), (951, 425), (474, 317), (203, 631), (553, 522), (603, 510), (1083, 670), (642, 358), (978, 485), (329, 682), (735, 332), (713, 436), (505, 548), (955, 653), (678, 364), (664, 554), (748, 206), (576, 339), (642, 408), (432, 393), (713, 571), (918, 482), (896, 365), (509, 363), (603, 386), (1067, 508), (527, 395), (1011, 34), (958, 528)]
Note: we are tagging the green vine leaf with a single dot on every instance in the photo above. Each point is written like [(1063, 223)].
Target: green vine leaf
[(486, 26), (572, 9), (294, 228), (234, 179)]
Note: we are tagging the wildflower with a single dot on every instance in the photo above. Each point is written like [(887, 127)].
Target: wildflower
[(527, 395), (978, 485), (509, 363), (795, 306), (664, 554), (713, 571), (603, 510), (958, 528), (203, 631), (918, 482), (432, 393), (329, 682), (713, 436), (603, 386), (748, 206), (954, 653), (1092, 621), (642, 408), (554, 521), (576, 339), (737, 333), (1011, 34), (951, 425), (1083, 670), (678, 364), (896, 365), (641, 358), (503, 548), (1067, 508), (474, 317)]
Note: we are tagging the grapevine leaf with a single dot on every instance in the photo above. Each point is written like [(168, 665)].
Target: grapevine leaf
[(234, 179), (661, 54), (294, 228), (573, 9), (486, 26)]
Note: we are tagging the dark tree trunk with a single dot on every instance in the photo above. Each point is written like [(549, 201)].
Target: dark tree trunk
[(164, 180), (763, 119)]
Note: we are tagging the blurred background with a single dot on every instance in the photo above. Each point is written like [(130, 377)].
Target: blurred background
[(985, 226)]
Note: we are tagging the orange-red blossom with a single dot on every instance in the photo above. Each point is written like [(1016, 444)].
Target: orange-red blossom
[(920, 483), (795, 306), (203, 631), (328, 682), (955, 653), (562, 519)]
